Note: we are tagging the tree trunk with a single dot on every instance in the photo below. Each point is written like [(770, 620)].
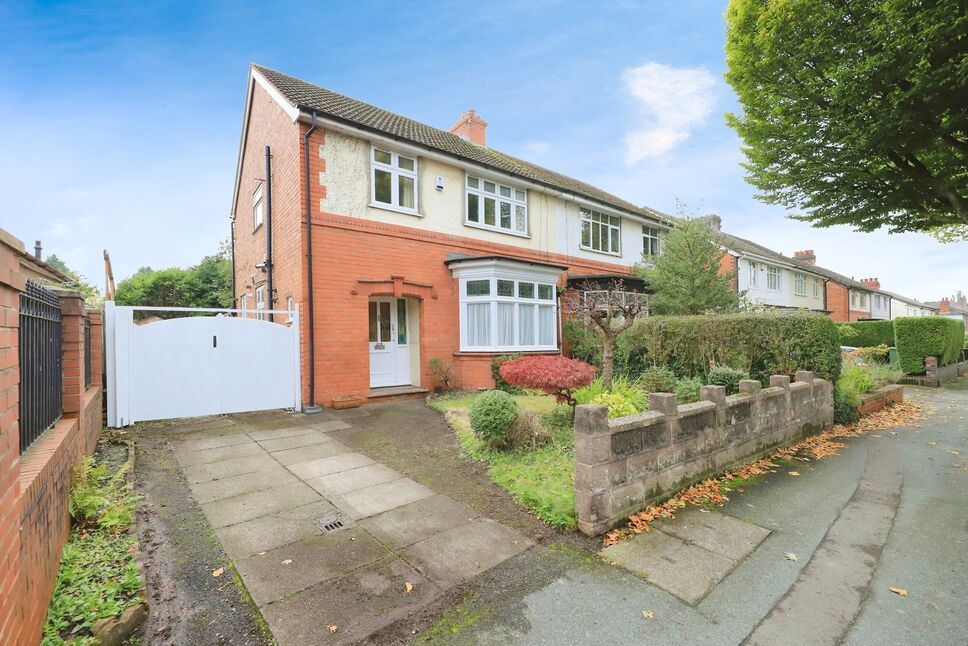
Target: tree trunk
[(608, 360)]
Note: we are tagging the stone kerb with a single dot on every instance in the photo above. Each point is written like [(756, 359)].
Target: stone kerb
[(624, 464)]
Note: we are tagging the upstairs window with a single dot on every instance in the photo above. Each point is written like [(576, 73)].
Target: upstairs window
[(258, 208), (650, 241), (816, 287), (495, 206), (600, 232), (753, 275), (773, 277), (800, 284), (393, 178), (853, 300)]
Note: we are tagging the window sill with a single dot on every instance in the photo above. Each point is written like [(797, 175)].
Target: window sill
[(395, 209), (484, 227), (257, 227), (604, 253), (507, 350)]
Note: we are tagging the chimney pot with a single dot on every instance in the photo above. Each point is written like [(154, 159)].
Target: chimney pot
[(714, 222), (471, 127), (38, 250), (806, 256)]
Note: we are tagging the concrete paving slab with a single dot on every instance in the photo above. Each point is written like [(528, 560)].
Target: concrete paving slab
[(228, 468), (190, 457), (291, 568), (718, 533), (416, 521), (268, 422), (466, 550), (325, 466), (684, 570), (192, 424), (230, 511), (359, 604), (269, 532), (353, 479), (258, 436), (379, 498), (306, 453), (240, 484), (295, 441), (209, 441), (326, 426)]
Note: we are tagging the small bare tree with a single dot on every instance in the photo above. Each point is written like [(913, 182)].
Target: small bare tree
[(610, 308)]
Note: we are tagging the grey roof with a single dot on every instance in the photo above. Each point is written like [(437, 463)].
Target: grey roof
[(905, 299), (743, 245), (339, 107), (955, 307)]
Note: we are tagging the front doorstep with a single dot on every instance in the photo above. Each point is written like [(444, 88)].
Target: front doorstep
[(393, 391)]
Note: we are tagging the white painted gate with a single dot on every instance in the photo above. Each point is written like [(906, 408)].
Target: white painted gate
[(198, 365)]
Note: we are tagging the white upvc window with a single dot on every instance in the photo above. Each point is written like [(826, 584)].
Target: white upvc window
[(863, 300), (258, 208), (816, 287), (650, 241), (600, 232), (491, 205), (773, 274), (260, 302), (754, 278), (244, 305), (393, 180), (800, 284), (853, 300), (292, 315)]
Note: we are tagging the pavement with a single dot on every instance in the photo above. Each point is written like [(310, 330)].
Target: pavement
[(331, 545)]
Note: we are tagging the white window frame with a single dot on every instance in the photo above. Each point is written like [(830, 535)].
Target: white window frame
[(244, 305), (515, 198), (292, 315), (774, 274), (863, 300), (651, 241), (395, 173), (853, 299), (753, 276), (816, 288), (258, 208), (260, 302), (613, 222), (544, 280), (800, 284)]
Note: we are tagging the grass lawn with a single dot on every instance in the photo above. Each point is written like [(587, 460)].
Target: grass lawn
[(541, 479)]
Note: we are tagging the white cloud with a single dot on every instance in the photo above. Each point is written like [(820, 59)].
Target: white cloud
[(674, 99)]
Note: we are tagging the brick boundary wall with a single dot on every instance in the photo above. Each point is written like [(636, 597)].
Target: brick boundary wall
[(623, 465), (880, 398), (934, 375), (34, 518)]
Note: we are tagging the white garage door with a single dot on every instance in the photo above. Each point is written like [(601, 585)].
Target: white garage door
[(205, 363)]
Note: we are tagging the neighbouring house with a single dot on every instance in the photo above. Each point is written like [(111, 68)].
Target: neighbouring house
[(953, 308), (905, 306), (404, 243), (880, 300), (846, 299), (770, 278)]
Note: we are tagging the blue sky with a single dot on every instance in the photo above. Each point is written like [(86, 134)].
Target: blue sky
[(120, 121)]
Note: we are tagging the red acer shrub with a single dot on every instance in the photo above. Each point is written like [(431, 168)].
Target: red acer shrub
[(552, 375)]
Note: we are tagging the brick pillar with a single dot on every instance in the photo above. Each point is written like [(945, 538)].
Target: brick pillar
[(97, 347), (72, 324), (11, 583)]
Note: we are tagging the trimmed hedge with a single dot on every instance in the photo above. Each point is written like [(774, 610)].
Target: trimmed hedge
[(870, 334), (760, 344), (929, 336)]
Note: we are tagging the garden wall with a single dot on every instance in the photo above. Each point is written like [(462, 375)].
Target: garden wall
[(625, 464), (880, 398), (935, 375)]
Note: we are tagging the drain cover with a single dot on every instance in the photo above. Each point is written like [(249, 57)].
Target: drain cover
[(332, 522)]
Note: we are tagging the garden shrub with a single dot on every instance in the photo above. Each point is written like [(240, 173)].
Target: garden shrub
[(687, 390), (552, 375), (629, 389), (845, 412), (442, 372), (760, 344), (583, 344), (98, 500), (658, 379), (527, 431), (492, 414), (854, 381), (867, 333), (586, 394), (499, 382), (726, 376), (618, 405), (929, 336)]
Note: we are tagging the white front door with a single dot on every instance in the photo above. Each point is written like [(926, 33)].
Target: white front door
[(389, 342)]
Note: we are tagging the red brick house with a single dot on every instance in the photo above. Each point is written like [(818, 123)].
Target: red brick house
[(403, 242)]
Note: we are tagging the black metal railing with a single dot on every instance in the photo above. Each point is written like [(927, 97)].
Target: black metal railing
[(87, 353), (41, 374)]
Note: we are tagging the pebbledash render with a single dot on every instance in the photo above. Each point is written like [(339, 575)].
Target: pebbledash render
[(422, 243)]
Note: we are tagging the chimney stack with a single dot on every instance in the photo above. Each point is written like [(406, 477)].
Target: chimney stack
[(714, 222), (807, 256), (960, 298), (471, 127), (873, 283), (944, 307), (38, 250)]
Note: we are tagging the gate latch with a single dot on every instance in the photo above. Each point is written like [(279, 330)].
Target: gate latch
[(214, 341)]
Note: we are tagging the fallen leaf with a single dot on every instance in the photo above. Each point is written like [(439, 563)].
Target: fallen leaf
[(901, 592), (218, 572), (790, 556), (262, 553), (408, 586), (794, 473), (953, 452), (287, 562), (648, 614), (332, 628)]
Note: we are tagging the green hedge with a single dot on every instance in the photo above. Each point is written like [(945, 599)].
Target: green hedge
[(870, 333), (760, 344), (929, 336)]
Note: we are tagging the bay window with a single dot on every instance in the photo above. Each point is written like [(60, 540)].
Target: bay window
[(495, 206), (393, 180), (600, 232)]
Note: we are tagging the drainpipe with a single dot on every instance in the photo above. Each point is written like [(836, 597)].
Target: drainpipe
[(232, 247), (312, 407), (268, 263)]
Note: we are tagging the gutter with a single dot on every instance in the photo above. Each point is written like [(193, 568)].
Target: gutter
[(312, 406)]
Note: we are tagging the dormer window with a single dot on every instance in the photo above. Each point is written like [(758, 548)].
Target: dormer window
[(393, 180)]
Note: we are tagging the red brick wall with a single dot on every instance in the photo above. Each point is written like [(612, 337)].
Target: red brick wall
[(838, 302), (729, 264)]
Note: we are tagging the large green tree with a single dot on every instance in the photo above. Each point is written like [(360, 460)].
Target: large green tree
[(686, 275), (207, 284), (92, 295), (854, 111)]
